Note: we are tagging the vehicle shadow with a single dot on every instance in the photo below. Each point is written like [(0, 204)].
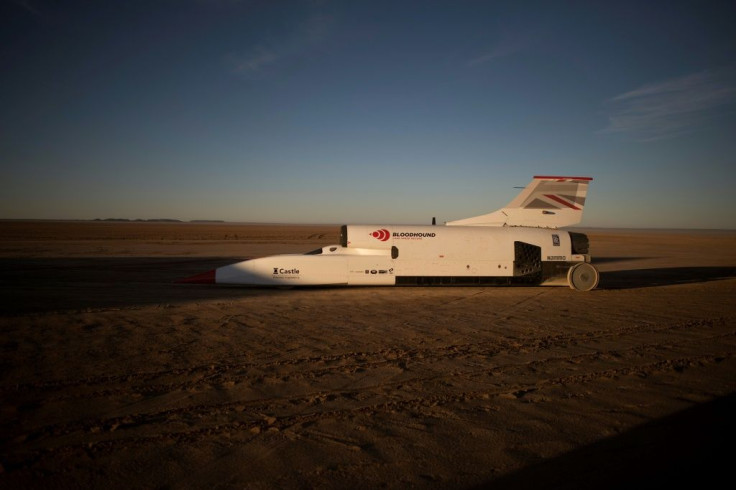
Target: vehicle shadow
[(643, 278), (42, 285), (688, 446), (55, 284), (613, 260)]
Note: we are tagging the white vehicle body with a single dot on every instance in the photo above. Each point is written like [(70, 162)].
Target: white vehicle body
[(519, 244)]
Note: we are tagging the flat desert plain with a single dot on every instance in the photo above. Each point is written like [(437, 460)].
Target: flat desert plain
[(115, 377)]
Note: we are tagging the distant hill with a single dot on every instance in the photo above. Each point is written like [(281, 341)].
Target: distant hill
[(157, 220)]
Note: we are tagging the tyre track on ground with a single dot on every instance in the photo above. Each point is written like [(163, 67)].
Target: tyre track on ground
[(222, 372), (254, 427), (252, 415)]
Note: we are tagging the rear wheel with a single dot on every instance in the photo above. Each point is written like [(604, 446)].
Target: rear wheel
[(582, 277)]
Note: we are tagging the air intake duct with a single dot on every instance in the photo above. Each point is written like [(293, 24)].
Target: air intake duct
[(579, 241), (344, 236)]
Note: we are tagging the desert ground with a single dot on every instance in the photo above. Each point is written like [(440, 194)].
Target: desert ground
[(113, 376)]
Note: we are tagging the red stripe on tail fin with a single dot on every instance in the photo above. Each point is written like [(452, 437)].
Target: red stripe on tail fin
[(561, 201)]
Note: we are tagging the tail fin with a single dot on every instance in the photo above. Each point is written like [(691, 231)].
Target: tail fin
[(547, 202)]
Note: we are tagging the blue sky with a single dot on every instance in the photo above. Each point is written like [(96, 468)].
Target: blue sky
[(366, 112)]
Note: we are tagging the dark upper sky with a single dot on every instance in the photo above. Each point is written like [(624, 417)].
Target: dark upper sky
[(328, 111)]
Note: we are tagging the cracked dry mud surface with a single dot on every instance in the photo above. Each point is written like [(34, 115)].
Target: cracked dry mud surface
[(113, 376)]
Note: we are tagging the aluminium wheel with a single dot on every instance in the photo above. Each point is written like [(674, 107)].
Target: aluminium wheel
[(583, 277)]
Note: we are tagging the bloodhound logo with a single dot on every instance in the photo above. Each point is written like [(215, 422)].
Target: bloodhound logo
[(382, 234)]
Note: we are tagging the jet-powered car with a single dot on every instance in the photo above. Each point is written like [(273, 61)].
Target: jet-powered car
[(518, 244)]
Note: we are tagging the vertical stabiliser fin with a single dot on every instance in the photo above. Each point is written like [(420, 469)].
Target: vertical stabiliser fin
[(547, 202)]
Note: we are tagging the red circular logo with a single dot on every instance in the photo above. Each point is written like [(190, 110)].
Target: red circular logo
[(381, 234)]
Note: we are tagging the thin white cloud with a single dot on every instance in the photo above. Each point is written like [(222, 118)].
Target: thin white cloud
[(511, 42), (315, 29), (672, 107), (253, 62), (256, 61), (27, 6), (495, 53)]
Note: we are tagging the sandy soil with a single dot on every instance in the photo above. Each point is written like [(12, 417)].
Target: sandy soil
[(112, 376)]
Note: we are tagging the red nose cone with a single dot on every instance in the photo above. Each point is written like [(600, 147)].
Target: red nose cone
[(203, 278)]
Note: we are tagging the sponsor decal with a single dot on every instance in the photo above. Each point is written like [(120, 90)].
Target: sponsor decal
[(414, 235), (280, 271), (379, 271), (556, 240), (556, 257), (382, 234)]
